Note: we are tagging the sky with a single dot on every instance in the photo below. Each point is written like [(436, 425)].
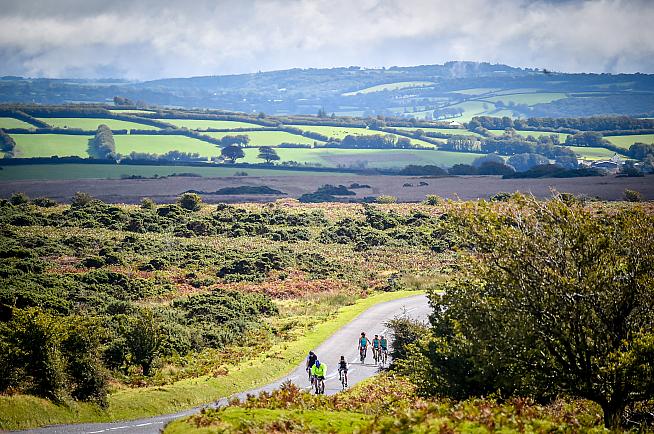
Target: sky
[(149, 39)]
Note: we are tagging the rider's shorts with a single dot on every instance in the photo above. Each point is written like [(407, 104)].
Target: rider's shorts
[(320, 377)]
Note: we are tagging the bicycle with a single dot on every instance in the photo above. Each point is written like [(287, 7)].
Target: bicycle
[(319, 385), (343, 378), (375, 355), (362, 354), (384, 356)]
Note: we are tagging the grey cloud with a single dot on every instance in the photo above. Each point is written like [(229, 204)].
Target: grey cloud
[(151, 39)]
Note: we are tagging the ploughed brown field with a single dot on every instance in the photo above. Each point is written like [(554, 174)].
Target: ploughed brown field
[(464, 187)]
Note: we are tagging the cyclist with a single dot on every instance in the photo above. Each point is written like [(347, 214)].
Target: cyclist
[(363, 346), (311, 360), (318, 371), (383, 343), (375, 348), (342, 371)]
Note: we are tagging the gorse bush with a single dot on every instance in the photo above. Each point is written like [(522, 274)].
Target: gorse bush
[(190, 201)]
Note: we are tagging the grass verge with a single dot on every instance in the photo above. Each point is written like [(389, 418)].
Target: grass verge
[(316, 420), (23, 411)]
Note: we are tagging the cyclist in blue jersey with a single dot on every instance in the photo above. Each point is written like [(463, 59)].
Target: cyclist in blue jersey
[(363, 346)]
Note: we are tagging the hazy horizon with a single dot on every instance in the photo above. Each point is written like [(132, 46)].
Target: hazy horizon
[(151, 39)]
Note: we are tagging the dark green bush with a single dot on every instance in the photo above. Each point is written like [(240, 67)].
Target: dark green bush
[(190, 201)]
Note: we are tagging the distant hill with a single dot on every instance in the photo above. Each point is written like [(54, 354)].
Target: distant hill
[(454, 90)]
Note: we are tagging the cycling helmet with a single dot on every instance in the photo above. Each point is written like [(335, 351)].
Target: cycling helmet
[(311, 353), (317, 364)]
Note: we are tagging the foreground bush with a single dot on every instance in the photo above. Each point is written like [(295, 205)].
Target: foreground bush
[(552, 299), (387, 404)]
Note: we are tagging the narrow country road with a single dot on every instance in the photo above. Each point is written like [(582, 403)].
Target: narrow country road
[(343, 342)]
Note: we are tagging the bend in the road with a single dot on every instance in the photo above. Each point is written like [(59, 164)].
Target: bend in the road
[(343, 342)]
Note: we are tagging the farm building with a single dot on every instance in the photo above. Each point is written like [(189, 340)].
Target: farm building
[(612, 165)]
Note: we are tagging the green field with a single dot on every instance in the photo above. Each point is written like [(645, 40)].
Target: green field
[(116, 171), (527, 98), (452, 131), (592, 153), (203, 124), (47, 145), (502, 113), (373, 158), (126, 144), (14, 123), (341, 132), (536, 134), (391, 86), (337, 132), (269, 138), (473, 108), (626, 141), (93, 123)]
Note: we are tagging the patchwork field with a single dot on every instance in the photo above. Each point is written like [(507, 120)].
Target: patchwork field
[(390, 86), (527, 98), (593, 153), (453, 131), (203, 124), (126, 144), (562, 136), (47, 145), (336, 132), (6, 122), (473, 108), (627, 141), (269, 138), (93, 123)]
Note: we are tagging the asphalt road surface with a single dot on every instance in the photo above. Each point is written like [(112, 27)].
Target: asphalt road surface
[(341, 343)]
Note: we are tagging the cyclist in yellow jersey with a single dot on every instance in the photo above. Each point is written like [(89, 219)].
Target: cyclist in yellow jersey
[(319, 370)]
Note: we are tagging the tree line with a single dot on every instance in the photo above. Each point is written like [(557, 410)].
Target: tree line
[(565, 125)]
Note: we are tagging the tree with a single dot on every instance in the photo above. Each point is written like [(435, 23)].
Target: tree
[(567, 161), (190, 201), (268, 153), (102, 146), (523, 162), (144, 340), (239, 139), (7, 144), (490, 158), (122, 101), (232, 153), (552, 299), (492, 168)]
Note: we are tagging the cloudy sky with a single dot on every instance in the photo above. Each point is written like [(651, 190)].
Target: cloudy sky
[(169, 38)]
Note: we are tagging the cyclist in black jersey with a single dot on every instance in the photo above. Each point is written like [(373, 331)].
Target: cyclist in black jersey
[(311, 360), (342, 371)]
